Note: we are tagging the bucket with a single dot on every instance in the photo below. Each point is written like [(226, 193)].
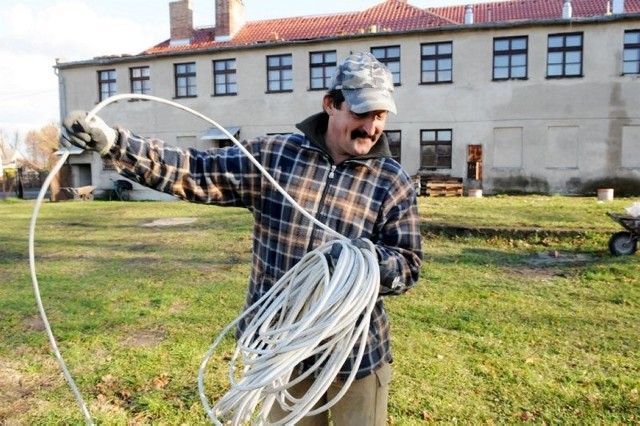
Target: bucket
[(475, 193), (605, 194)]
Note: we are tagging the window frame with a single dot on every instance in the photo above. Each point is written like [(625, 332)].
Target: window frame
[(631, 47), (140, 84), (436, 143), (386, 55), (107, 84), (564, 50), (438, 58), (185, 79), (326, 67), (510, 54), (228, 74), (284, 72), (395, 145)]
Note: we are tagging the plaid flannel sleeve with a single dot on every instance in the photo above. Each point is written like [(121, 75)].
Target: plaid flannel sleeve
[(222, 176), (399, 244)]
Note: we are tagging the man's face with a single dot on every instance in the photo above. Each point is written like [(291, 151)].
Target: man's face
[(350, 134)]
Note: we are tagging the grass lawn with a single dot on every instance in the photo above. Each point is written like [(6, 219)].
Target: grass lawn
[(499, 330)]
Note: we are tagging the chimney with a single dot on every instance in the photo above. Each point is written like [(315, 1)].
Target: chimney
[(468, 14), (181, 18), (229, 18), (618, 7), (566, 10)]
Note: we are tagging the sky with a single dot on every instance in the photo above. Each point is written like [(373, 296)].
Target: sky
[(33, 33)]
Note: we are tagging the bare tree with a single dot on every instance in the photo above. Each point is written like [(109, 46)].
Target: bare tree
[(41, 146)]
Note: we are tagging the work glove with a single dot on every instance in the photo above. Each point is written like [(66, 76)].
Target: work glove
[(389, 280), (92, 134), (336, 249)]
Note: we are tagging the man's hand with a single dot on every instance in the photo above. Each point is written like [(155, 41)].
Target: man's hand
[(91, 134), (336, 250), (390, 280)]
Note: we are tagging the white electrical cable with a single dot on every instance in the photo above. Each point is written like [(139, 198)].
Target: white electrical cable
[(314, 310), (34, 280), (310, 311)]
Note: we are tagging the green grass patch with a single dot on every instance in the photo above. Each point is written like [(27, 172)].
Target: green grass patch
[(499, 330)]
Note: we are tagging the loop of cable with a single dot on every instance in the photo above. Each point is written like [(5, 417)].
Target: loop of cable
[(315, 311)]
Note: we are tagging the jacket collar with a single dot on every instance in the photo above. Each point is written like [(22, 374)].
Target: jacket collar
[(315, 129)]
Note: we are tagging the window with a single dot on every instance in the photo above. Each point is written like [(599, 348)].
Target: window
[(510, 58), (394, 138), (185, 75), (108, 165), (390, 56), (279, 73), (631, 54), (140, 80), (107, 83), (321, 68), (435, 149), (224, 77), (436, 64), (564, 55)]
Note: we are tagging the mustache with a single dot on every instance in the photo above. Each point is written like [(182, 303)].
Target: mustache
[(359, 133)]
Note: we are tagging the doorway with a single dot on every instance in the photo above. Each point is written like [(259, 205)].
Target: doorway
[(474, 162)]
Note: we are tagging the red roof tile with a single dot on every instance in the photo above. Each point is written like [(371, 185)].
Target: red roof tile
[(518, 10), (388, 16)]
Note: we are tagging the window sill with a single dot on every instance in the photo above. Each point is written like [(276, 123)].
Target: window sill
[(560, 77), (433, 83), (278, 91), (500, 80)]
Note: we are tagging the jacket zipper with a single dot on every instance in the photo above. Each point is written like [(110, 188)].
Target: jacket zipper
[(321, 205)]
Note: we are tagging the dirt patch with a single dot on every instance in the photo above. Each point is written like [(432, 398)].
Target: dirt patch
[(14, 392), (551, 264), (145, 338), (171, 221), (558, 258), (17, 388), (177, 307), (33, 323)]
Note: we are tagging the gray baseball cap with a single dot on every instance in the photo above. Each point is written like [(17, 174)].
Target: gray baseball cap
[(365, 83)]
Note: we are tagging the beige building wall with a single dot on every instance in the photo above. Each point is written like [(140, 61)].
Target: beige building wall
[(567, 135)]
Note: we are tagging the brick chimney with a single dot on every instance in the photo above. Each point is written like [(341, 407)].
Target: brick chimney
[(567, 10), (618, 6), (229, 18), (468, 14), (181, 18)]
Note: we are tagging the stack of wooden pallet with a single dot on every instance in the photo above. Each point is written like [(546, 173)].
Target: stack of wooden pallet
[(440, 186)]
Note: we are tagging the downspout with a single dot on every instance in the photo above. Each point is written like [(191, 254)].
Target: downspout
[(62, 92)]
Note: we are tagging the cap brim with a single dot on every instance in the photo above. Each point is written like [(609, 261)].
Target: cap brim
[(369, 99)]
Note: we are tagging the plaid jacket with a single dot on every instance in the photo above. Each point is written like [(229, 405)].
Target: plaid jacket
[(366, 197)]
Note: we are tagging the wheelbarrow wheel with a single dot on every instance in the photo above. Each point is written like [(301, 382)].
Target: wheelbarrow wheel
[(622, 243)]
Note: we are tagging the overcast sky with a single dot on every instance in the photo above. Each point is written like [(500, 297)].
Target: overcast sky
[(33, 33)]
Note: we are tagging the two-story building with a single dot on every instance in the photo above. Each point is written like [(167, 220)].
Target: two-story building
[(514, 96)]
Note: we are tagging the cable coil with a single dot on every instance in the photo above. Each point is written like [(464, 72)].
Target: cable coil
[(316, 310)]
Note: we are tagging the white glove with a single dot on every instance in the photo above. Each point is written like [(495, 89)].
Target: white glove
[(91, 134)]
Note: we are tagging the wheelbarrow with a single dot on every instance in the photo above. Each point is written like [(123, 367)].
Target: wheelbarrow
[(84, 193), (625, 242)]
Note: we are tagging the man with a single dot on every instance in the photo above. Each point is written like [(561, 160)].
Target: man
[(339, 169)]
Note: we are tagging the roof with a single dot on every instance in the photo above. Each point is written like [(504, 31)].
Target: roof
[(73, 150), (387, 16), (216, 134), (531, 10), (9, 155)]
